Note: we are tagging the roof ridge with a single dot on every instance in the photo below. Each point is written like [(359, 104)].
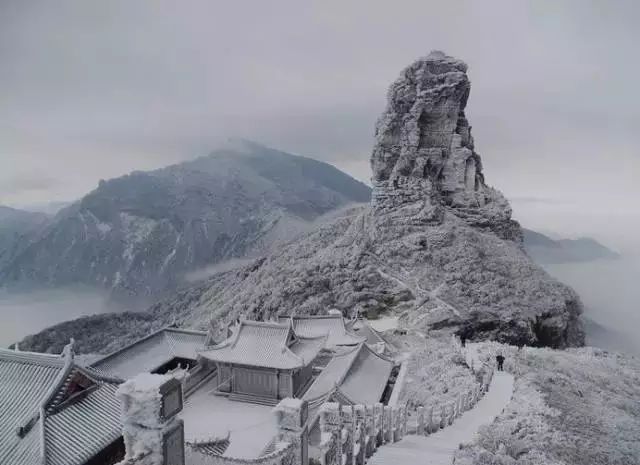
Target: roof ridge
[(346, 331), (267, 324), (30, 357), (67, 352), (99, 375), (319, 336), (327, 316), (337, 390), (172, 329), (286, 348), (128, 346), (380, 356), (342, 377)]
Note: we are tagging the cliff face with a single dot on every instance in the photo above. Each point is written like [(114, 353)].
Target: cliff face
[(424, 162)]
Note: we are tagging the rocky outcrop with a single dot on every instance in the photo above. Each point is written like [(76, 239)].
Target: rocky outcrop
[(424, 159)]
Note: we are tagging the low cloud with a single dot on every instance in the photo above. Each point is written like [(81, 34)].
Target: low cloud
[(27, 182)]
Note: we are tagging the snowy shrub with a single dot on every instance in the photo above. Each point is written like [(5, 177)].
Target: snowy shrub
[(574, 407), (436, 375)]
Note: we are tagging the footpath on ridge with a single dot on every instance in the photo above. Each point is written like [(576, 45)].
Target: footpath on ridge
[(439, 447)]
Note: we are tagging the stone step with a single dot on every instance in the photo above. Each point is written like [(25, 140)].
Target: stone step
[(253, 399)]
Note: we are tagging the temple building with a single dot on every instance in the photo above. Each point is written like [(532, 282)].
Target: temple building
[(264, 361), (158, 353), (57, 412), (332, 325)]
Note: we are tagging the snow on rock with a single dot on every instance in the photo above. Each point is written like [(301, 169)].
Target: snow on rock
[(424, 157)]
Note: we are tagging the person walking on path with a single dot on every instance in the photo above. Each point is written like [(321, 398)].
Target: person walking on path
[(500, 360), (463, 339)]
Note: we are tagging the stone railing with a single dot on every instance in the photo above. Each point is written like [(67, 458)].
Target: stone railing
[(351, 434), (284, 454)]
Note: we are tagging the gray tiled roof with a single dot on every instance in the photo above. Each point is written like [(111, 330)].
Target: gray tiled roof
[(25, 379), (153, 351), (266, 344), (364, 330), (360, 374), (367, 377), (319, 325), (81, 430), (33, 385)]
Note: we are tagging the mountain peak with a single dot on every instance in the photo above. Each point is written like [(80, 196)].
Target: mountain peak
[(424, 153)]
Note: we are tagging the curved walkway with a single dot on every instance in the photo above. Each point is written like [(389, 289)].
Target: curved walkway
[(439, 447)]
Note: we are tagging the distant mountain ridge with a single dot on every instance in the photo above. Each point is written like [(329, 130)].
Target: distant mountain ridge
[(16, 228), (546, 250), (138, 234)]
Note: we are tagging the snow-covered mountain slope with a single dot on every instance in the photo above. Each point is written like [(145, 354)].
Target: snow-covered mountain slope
[(139, 234), (571, 407), (16, 228)]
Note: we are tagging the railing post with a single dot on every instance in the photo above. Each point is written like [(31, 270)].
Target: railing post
[(420, 421), (348, 428), (405, 417), (429, 421), (370, 429), (331, 434), (452, 415), (361, 434), (291, 417), (387, 423), (443, 416), (378, 421)]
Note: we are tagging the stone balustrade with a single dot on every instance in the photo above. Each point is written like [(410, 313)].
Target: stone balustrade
[(284, 454), (351, 434)]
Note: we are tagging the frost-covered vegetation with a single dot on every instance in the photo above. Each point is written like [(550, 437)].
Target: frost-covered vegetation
[(437, 372), (573, 407), (94, 334)]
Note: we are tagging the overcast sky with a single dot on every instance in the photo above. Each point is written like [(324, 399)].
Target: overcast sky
[(95, 89)]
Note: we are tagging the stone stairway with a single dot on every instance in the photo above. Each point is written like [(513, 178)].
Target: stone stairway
[(253, 399), (439, 447)]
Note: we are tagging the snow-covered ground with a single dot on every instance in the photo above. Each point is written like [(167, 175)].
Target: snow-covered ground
[(207, 416)]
